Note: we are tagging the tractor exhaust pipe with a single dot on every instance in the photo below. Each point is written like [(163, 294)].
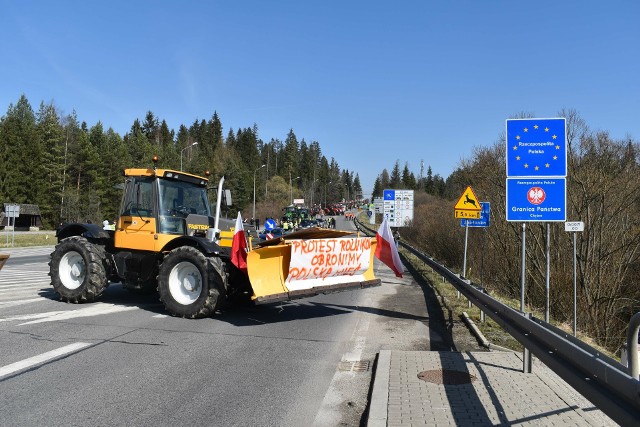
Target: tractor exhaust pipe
[(213, 234)]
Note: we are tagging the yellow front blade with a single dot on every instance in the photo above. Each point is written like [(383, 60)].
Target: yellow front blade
[(269, 266)]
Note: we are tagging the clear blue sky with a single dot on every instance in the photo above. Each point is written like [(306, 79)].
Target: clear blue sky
[(371, 81)]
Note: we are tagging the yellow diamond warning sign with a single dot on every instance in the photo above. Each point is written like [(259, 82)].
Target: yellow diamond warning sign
[(468, 205)]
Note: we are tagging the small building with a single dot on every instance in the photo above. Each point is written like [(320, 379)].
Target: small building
[(28, 220)]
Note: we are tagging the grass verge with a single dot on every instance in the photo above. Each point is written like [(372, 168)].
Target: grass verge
[(449, 297), (26, 239)]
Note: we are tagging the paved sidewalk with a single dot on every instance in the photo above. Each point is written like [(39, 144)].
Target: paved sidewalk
[(473, 389)]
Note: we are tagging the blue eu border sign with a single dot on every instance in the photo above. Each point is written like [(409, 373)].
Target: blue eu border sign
[(536, 147), (536, 199), (485, 209)]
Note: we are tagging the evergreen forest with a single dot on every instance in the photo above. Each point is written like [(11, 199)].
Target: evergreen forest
[(72, 170)]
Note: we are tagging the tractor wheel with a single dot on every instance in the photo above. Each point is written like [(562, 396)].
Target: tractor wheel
[(188, 284), (77, 270)]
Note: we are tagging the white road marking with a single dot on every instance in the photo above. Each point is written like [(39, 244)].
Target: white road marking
[(42, 358), (95, 310), (19, 283), (20, 302), (13, 288), (31, 316)]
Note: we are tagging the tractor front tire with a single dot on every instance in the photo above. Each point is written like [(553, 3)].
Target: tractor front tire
[(188, 284), (77, 270)]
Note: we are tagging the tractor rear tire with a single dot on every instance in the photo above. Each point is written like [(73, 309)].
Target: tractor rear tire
[(77, 270), (188, 284)]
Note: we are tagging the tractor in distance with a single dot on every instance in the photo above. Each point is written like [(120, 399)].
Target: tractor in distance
[(167, 239)]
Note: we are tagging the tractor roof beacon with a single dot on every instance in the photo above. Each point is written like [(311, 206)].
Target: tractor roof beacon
[(166, 238)]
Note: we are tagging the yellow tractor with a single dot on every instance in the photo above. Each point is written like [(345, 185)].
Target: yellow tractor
[(167, 238)]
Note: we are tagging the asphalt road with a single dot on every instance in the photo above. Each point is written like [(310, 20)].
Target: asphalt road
[(123, 361)]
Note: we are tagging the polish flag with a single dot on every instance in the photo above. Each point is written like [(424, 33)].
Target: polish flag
[(239, 246), (386, 250)]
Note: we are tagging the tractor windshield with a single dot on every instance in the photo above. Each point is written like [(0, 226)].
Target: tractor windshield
[(181, 198)]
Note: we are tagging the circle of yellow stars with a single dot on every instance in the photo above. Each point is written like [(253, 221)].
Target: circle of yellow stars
[(536, 167)]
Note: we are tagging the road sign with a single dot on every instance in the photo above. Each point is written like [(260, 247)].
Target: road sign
[(378, 205), (536, 147), (398, 207), (466, 214), (12, 211), (484, 217), (468, 205), (574, 226), (536, 199), (270, 224)]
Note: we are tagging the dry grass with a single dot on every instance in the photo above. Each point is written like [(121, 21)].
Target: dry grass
[(490, 329), (27, 239)]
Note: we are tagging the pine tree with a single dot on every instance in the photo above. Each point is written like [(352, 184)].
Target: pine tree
[(357, 188), (291, 149), (395, 180), (168, 153), (408, 178), (429, 185), (150, 128), (377, 188), (385, 181), (21, 153), (138, 145), (52, 135)]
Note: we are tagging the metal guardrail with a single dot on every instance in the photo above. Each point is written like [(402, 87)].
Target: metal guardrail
[(599, 378)]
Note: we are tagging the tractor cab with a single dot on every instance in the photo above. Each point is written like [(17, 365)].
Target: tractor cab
[(158, 205)]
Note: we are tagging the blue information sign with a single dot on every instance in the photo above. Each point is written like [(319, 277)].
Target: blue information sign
[(389, 195), (484, 217), (270, 224), (536, 199), (536, 147)]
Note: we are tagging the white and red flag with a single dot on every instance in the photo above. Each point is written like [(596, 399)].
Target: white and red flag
[(239, 246), (386, 250)]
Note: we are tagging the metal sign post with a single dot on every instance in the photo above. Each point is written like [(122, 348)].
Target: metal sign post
[(464, 261), (481, 222), (12, 211), (466, 207), (548, 247), (536, 160), (574, 227), (523, 271)]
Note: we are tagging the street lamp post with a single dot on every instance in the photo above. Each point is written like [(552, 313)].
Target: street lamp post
[(182, 151), (290, 187), (254, 192), (325, 193), (348, 196)]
